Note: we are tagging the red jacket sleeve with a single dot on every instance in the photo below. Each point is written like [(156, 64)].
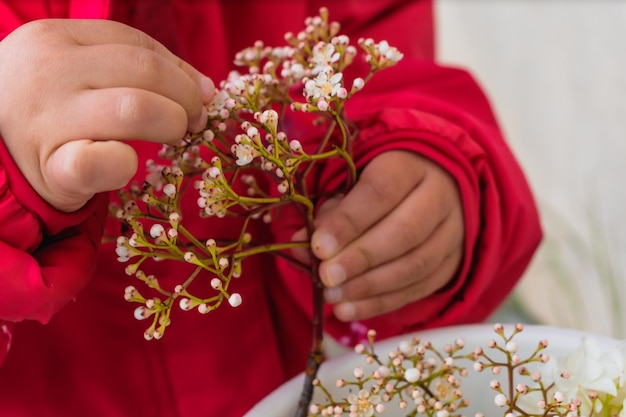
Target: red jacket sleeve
[(441, 113), (47, 256)]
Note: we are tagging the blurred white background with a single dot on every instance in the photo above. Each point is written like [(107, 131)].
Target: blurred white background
[(555, 71)]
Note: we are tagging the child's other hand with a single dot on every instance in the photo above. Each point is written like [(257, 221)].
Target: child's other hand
[(73, 91), (395, 238)]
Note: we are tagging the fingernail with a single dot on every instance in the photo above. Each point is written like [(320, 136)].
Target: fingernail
[(345, 311), (332, 295), (335, 275), (207, 88), (204, 118), (326, 244)]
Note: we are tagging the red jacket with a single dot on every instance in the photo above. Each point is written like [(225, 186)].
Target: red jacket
[(90, 358)]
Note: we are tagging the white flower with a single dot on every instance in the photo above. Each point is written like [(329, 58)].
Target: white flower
[(363, 404), (269, 118), (324, 54), (244, 153), (323, 85), (588, 369), (218, 103), (391, 53)]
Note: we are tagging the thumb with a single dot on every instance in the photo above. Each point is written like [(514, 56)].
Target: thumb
[(79, 169)]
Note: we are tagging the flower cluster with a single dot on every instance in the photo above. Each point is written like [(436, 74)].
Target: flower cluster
[(245, 165), (421, 379)]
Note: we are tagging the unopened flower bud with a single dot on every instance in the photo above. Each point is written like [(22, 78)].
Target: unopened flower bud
[(235, 299)]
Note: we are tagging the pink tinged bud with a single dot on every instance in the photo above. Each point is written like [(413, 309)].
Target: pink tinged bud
[(216, 283), (500, 400), (174, 219), (358, 373), (157, 230), (283, 187), (148, 334), (208, 135), (494, 384), (412, 375), (131, 269), (558, 397), (190, 257), (172, 233), (122, 252), (252, 132), (495, 370), (214, 172), (235, 299), (169, 190), (479, 366), (223, 263), (322, 105), (342, 93), (541, 405), (203, 308), (359, 348), (185, 304), (142, 313), (380, 408), (511, 347), (295, 145)]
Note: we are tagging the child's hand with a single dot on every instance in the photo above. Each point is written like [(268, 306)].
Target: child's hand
[(74, 90), (395, 238)]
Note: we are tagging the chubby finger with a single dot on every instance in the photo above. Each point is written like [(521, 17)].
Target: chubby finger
[(444, 245), (406, 227), (79, 169), (125, 114), (89, 32), (141, 68), (391, 299), (384, 182)]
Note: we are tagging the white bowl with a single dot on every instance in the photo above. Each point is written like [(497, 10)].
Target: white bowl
[(282, 402)]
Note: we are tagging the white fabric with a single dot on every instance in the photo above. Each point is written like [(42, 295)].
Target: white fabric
[(556, 73)]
